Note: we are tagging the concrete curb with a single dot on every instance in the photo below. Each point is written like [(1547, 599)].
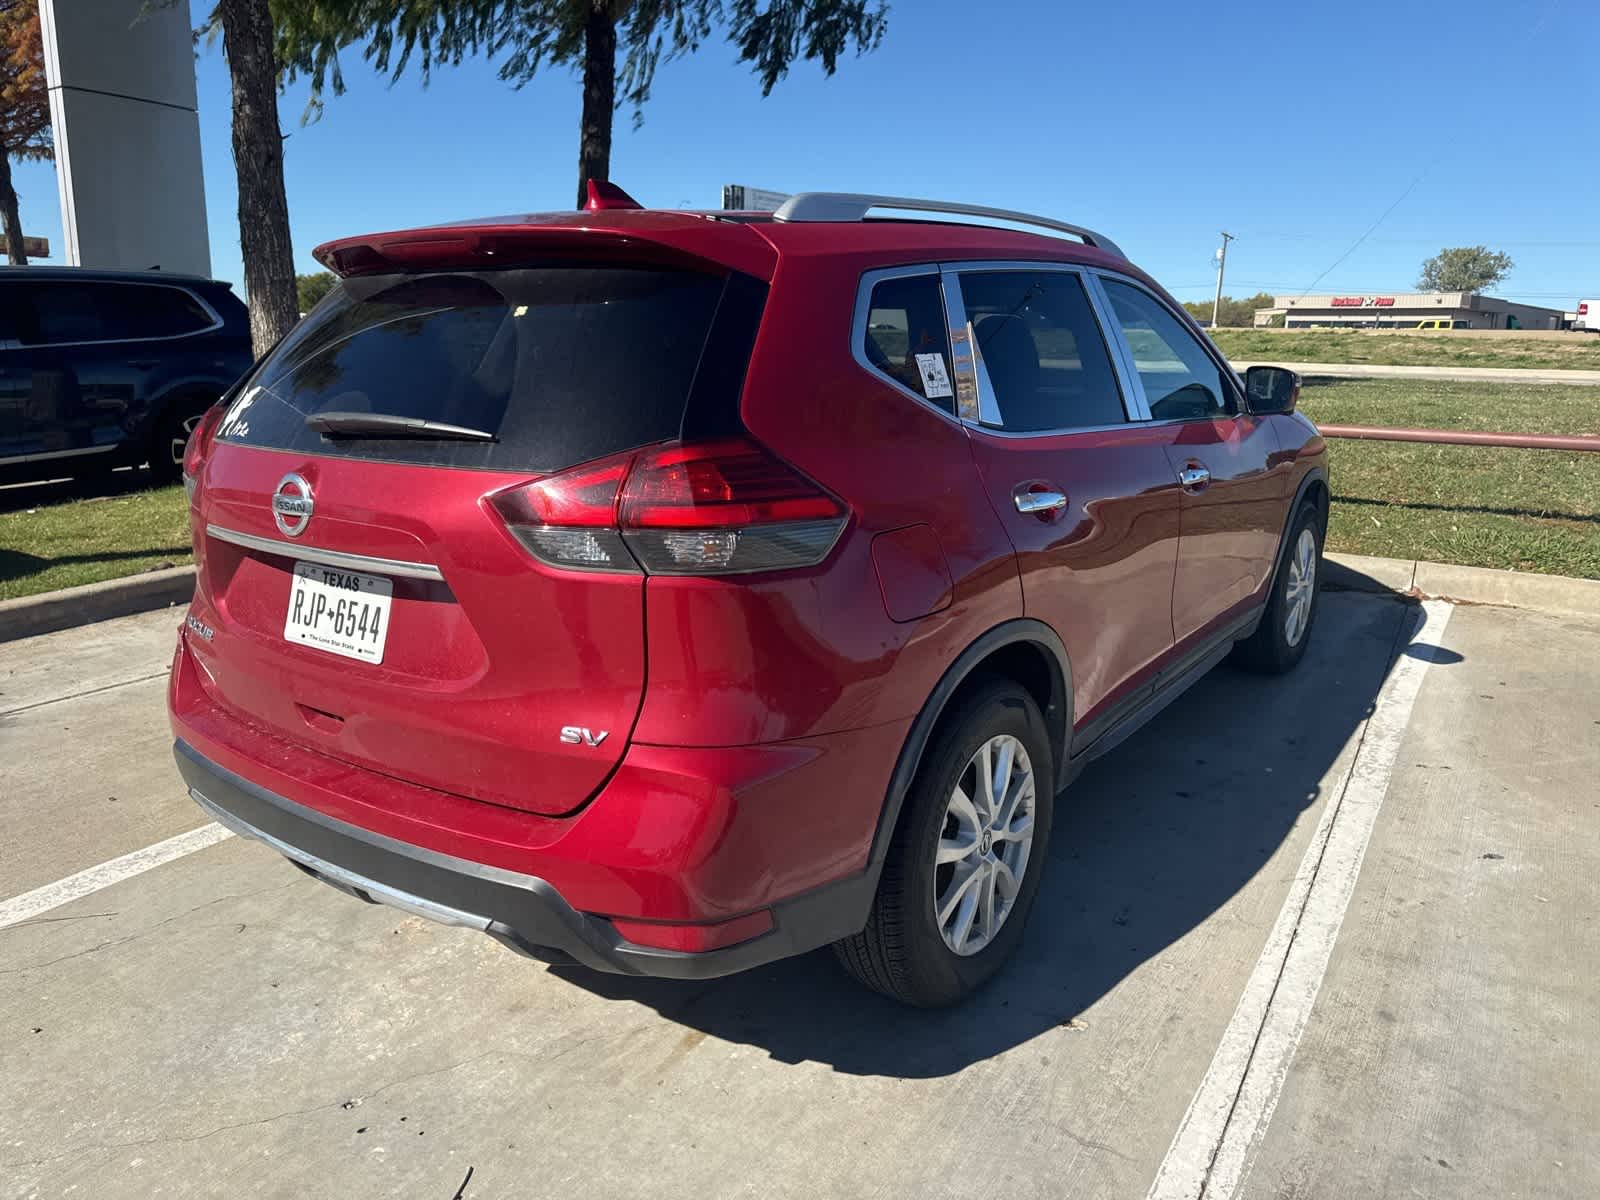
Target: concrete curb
[(28, 616), (1470, 585)]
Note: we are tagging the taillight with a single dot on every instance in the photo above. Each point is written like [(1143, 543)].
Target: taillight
[(569, 520), (712, 508), (198, 446), (722, 507)]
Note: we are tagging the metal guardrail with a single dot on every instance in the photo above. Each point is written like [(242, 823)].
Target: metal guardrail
[(1464, 437)]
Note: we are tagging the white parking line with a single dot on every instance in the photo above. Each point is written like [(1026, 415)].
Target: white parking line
[(85, 883), (1216, 1142)]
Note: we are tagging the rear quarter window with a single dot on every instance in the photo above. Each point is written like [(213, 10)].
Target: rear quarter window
[(905, 337), (561, 363)]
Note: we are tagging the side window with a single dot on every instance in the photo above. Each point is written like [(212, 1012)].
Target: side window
[(906, 338), (63, 312), (1180, 379), (99, 312), (13, 300), (1046, 360), (139, 311)]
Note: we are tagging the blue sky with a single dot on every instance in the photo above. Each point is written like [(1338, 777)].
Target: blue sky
[(1293, 125)]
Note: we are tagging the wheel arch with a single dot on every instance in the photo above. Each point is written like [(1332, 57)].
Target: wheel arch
[(1025, 650), (1313, 488)]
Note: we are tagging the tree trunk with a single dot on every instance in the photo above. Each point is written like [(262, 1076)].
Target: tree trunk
[(599, 96), (258, 161), (10, 215)]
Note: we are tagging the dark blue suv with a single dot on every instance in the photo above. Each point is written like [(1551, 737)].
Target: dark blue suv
[(100, 369)]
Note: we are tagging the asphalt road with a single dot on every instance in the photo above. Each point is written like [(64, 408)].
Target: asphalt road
[(1326, 935)]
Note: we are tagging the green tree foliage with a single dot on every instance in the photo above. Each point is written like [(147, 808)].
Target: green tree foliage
[(1464, 269), (308, 289), (587, 35), (1231, 313)]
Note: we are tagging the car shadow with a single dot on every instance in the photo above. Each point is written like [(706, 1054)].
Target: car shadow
[(19, 564), (15, 497), (1542, 514), (1148, 843)]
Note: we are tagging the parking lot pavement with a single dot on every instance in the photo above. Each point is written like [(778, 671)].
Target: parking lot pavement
[(221, 1024), (1455, 1046), (82, 731)]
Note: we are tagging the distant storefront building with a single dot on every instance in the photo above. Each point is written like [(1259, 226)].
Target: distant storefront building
[(1442, 310)]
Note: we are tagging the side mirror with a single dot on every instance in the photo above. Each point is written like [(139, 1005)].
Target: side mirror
[(1272, 389)]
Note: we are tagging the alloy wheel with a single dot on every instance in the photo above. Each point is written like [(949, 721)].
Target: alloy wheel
[(1302, 587), (982, 856)]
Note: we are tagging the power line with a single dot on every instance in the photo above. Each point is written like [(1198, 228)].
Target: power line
[(1448, 144), (1425, 239), (1356, 245)]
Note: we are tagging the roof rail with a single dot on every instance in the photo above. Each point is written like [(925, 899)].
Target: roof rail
[(852, 206)]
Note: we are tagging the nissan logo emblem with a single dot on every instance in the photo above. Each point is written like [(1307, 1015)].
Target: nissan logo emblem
[(292, 504)]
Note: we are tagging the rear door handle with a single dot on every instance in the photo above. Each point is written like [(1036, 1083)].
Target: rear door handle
[(1037, 503), (1195, 477)]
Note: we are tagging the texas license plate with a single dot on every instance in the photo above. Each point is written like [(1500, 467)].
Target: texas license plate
[(342, 612)]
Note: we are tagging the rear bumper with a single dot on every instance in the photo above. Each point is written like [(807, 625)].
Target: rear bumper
[(522, 911)]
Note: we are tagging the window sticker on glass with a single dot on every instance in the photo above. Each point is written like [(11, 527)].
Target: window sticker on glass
[(935, 379)]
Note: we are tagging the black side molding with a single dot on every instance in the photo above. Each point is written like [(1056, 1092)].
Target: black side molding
[(523, 912), (1058, 718)]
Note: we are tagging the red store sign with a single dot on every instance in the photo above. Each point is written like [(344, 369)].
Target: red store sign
[(1363, 302)]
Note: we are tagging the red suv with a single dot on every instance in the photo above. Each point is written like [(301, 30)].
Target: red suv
[(672, 592)]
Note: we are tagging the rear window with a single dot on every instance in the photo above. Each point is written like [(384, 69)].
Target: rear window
[(561, 363)]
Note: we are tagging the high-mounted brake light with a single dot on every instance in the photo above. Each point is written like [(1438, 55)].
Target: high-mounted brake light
[(712, 508), (199, 445)]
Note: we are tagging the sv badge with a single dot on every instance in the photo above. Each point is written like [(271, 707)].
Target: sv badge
[(576, 735)]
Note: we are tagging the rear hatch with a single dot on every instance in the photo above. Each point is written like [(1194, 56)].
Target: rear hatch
[(379, 610)]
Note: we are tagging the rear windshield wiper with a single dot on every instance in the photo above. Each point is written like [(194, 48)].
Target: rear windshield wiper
[(370, 424)]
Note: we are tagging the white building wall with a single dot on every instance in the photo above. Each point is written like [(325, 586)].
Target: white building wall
[(123, 107), (1406, 309)]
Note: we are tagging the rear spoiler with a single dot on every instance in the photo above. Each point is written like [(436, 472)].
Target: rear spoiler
[(688, 240)]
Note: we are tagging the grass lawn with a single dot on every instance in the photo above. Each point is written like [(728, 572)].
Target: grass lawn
[(1525, 510), (50, 546), (1408, 349), (1528, 510)]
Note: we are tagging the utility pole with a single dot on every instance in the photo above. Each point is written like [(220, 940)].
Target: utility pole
[(1222, 265)]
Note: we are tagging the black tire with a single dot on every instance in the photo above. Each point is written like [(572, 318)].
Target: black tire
[(1278, 642), (172, 433), (902, 952)]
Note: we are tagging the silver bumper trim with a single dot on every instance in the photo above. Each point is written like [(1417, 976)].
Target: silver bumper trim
[(346, 880), (330, 558)]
